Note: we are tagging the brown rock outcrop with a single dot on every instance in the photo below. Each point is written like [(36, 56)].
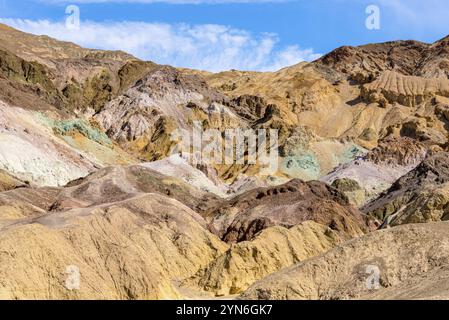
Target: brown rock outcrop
[(406, 57), (287, 205), (402, 151)]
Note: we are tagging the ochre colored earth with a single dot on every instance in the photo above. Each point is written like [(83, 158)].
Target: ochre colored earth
[(98, 202)]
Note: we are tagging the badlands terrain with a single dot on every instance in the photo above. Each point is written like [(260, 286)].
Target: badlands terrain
[(95, 202)]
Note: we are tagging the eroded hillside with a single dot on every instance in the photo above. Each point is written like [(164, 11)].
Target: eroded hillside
[(90, 179)]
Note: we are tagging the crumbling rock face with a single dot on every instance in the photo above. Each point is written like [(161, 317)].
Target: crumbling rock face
[(442, 107), (419, 196), (250, 107), (421, 129), (143, 118), (32, 77), (392, 87), (436, 63), (398, 151)]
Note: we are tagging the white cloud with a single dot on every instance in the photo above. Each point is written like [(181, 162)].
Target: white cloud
[(206, 47), (289, 56)]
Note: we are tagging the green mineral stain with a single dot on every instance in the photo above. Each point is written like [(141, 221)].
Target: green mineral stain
[(305, 166), (352, 152), (64, 127)]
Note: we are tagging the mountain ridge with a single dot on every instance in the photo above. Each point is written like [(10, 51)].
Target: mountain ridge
[(89, 177)]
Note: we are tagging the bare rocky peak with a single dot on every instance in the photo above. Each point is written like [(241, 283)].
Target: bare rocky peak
[(48, 51), (43, 73), (161, 100), (364, 63)]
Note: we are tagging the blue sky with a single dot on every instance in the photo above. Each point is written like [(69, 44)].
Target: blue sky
[(224, 34)]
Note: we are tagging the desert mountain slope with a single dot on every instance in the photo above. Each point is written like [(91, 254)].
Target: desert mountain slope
[(92, 178), (366, 177), (48, 150), (405, 57), (121, 226), (134, 233), (242, 217), (271, 250), (44, 49), (412, 262), (131, 249), (162, 101), (139, 104), (338, 95), (419, 196)]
